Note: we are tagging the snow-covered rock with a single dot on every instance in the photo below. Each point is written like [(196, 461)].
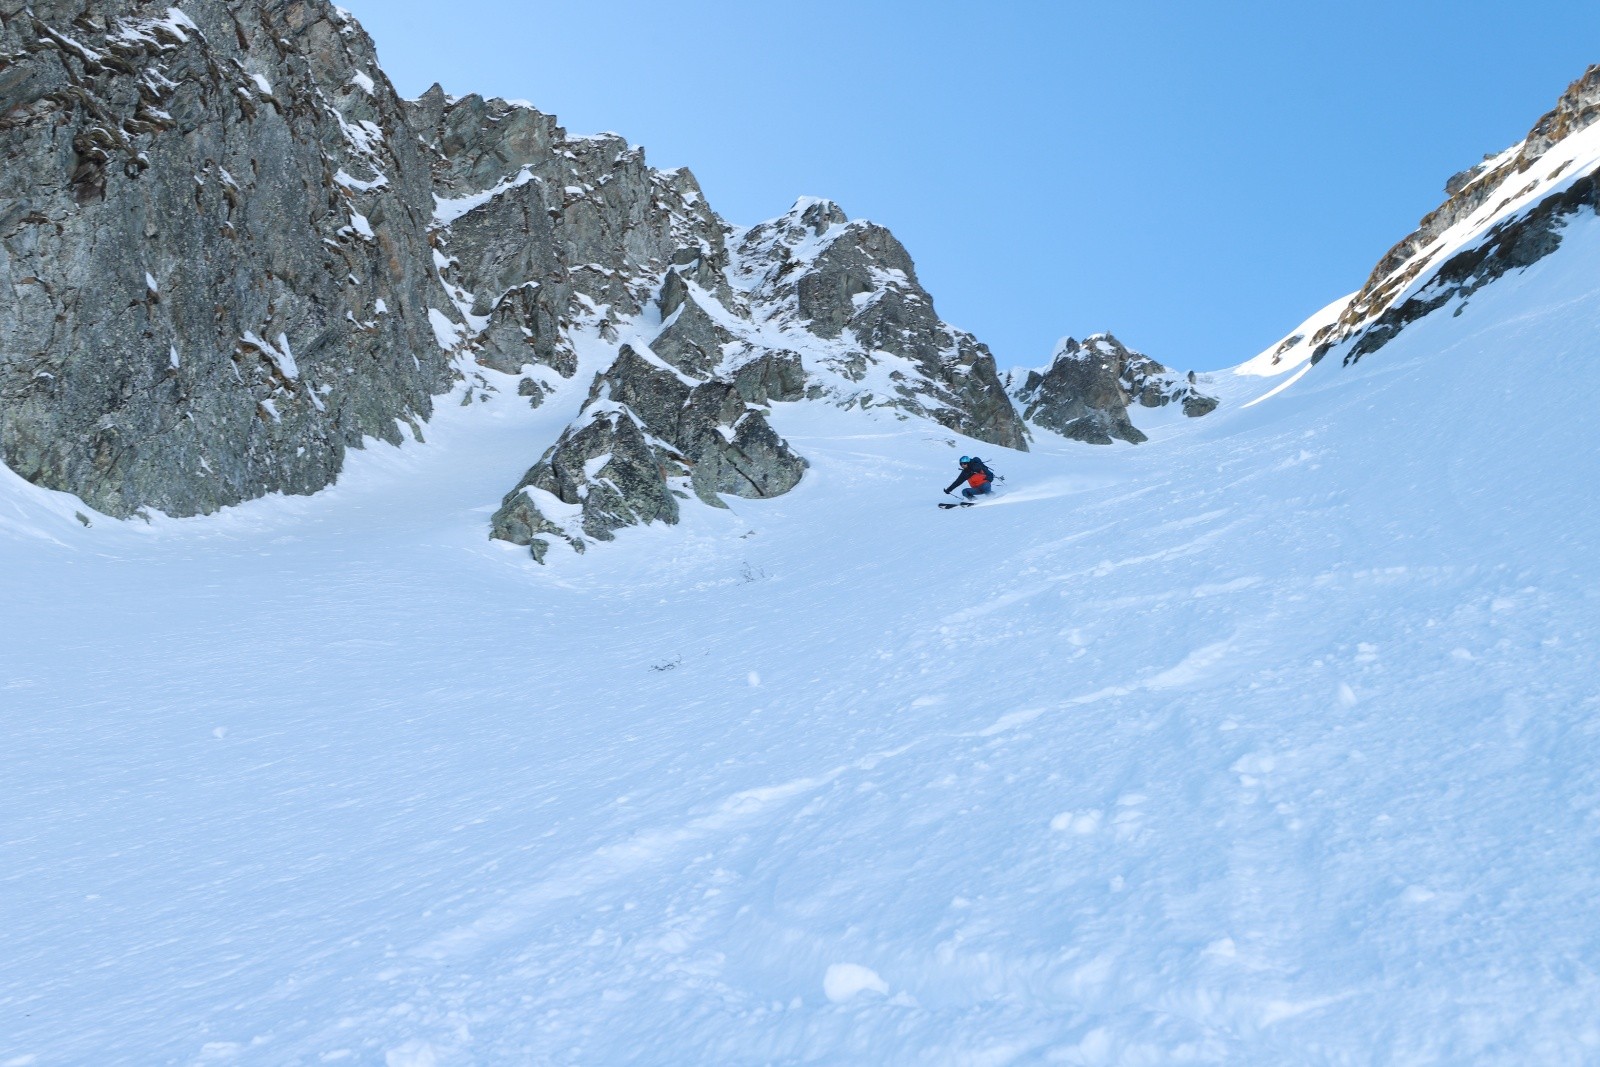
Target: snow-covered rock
[(661, 433), (1501, 215), (193, 180), (1085, 392), (186, 179), (853, 287)]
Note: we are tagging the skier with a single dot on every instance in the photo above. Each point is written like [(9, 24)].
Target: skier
[(977, 475)]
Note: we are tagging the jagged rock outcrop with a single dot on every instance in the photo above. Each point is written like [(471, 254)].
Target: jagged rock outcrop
[(1086, 391), (648, 434), (539, 230), (1517, 200), (544, 237), (691, 339), (236, 253), (702, 362), (813, 271), (602, 475), (216, 250), (1510, 245)]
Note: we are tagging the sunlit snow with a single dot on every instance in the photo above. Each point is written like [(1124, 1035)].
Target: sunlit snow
[(1273, 740)]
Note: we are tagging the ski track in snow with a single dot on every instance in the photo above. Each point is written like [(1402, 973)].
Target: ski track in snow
[(1273, 740)]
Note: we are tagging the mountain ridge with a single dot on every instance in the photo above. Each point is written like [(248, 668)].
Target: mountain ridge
[(443, 236), (1497, 217), (240, 254)]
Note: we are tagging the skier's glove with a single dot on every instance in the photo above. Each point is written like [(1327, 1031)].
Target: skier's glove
[(947, 492)]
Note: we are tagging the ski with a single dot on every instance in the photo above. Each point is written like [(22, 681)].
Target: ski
[(963, 504)]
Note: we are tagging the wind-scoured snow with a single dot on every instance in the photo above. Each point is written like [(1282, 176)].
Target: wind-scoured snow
[(1274, 740)]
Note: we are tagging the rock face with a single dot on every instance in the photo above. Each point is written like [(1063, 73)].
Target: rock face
[(216, 250), (1086, 391), (538, 231), (235, 254), (853, 286), (648, 436), (808, 305), (1518, 200)]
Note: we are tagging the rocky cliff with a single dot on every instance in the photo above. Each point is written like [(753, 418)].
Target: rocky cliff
[(235, 253), (214, 237), (849, 292), (1086, 391), (809, 304)]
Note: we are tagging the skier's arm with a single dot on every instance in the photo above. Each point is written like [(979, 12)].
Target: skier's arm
[(959, 479)]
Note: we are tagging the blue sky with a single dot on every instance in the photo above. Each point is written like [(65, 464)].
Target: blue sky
[(1196, 178)]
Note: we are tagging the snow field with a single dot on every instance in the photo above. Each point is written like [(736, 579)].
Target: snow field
[(1270, 741)]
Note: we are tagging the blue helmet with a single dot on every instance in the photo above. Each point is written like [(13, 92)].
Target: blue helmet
[(965, 460)]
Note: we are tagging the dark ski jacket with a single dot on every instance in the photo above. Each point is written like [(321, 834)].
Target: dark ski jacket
[(968, 470)]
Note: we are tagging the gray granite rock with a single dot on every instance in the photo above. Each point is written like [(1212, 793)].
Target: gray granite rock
[(732, 447), (524, 329), (1086, 391), (522, 201), (855, 283), (655, 393), (662, 432), (755, 462), (218, 251), (770, 375), (691, 339), (606, 466), (236, 253)]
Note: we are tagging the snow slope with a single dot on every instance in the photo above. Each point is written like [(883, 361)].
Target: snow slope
[(1275, 740)]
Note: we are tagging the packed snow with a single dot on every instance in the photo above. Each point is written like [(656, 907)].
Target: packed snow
[(1274, 740)]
